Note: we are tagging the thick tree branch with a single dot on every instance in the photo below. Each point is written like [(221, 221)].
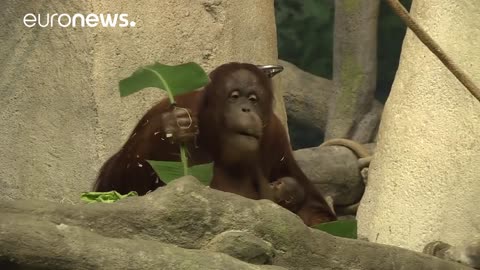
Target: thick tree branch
[(306, 96)]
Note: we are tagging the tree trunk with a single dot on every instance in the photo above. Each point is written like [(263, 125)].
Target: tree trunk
[(355, 66), (424, 179)]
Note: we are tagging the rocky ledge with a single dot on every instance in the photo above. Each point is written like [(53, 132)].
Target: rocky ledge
[(184, 225)]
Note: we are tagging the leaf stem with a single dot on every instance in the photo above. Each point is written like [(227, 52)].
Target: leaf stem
[(183, 158), (167, 88)]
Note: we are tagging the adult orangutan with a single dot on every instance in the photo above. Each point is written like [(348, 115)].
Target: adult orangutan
[(237, 130)]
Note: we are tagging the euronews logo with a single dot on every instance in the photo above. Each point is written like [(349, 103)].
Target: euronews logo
[(77, 20)]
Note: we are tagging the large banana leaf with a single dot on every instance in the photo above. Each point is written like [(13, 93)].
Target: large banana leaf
[(173, 79), (170, 170)]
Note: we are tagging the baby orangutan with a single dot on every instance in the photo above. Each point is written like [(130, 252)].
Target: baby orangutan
[(288, 193)]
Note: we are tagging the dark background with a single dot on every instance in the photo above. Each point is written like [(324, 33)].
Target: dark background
[(305, 38)]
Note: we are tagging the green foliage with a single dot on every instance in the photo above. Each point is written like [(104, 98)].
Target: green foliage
[(341, 228), (174, 79), (305, 34), (391, 32), (170, 170), (305, 38), (105, 197)]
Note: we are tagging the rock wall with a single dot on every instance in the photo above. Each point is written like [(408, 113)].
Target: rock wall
[(62, 115), (424, 179)]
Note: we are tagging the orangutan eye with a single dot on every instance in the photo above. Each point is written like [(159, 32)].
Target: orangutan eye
[(235, 94), (252, 98)]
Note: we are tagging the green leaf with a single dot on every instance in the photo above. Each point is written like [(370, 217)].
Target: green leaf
[(174, 79), (317, 9), (167, 170), (171, 170), (105, 197), (203, 172), (341, 228)]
